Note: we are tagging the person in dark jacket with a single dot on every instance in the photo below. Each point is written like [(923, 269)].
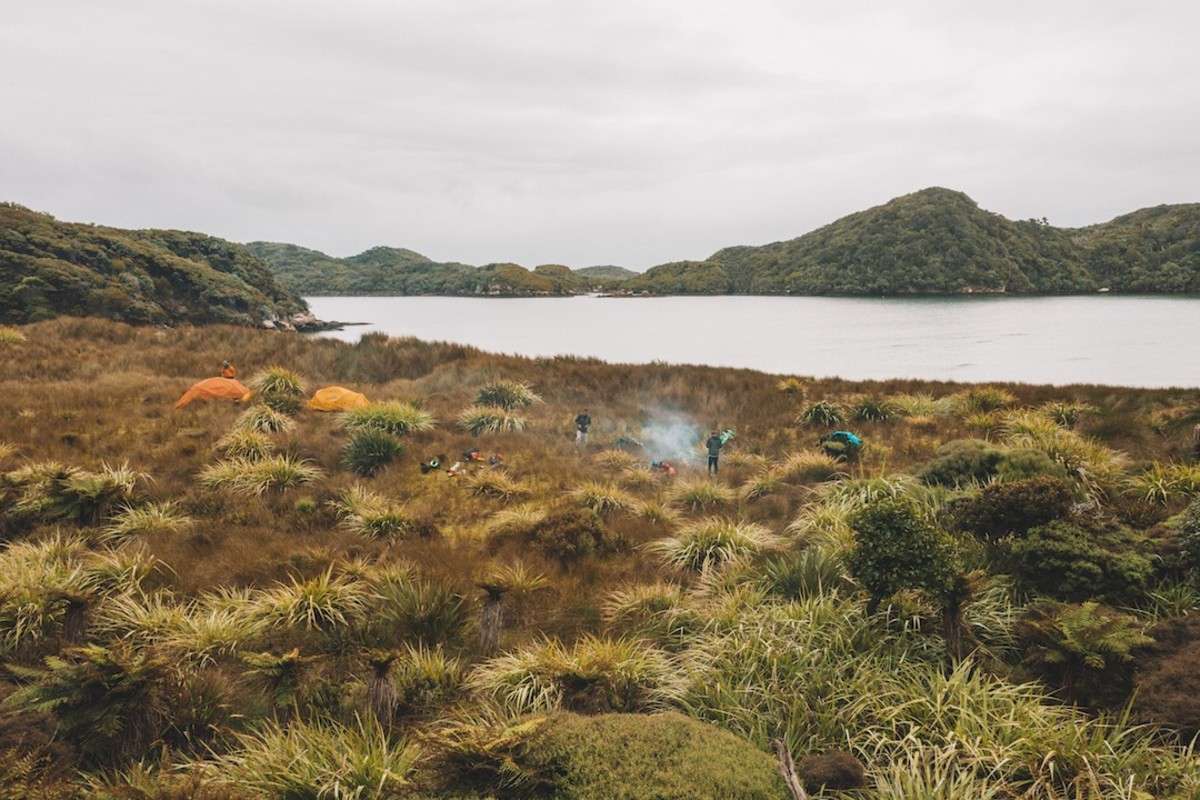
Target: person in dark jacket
[(714, 450), (581, 427)]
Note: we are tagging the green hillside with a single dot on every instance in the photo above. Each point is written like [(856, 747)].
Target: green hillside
[(938, 241), (50, 268), (396, 271)]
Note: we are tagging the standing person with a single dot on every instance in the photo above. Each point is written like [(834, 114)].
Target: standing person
[(228, 370), (581, 427), (714, 449)]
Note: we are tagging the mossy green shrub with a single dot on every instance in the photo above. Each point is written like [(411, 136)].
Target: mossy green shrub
[(368, 451), (573, 534), (633, 756), (1001, 509), (1074, 562), (967, 461), (1189, 541)]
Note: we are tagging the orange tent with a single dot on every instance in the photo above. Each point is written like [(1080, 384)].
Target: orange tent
[(213, 389), (336, 398)]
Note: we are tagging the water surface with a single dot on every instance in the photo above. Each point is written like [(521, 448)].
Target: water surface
[(1100, 339)]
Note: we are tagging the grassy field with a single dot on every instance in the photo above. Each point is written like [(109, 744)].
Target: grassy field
[(995, 598)]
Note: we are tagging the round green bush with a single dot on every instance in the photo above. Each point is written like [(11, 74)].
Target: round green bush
[(368, 451), (634, 756)]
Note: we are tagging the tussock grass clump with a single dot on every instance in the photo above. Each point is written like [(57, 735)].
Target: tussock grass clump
[(811, 466), (321, 759), (657, 513), (478, 420), (325, 602), (373, 516), (711, 542), (367, 452), (790, 386), (256, 477), (866, 408), (656, 611), (162, 518), (264, 419), (766, 482), (615, 460), (982, 398), (518, 521), (701, 495), (507, 395), (496, 483), (602, 498), (426, 678), (8, 450), (810, 573), (278, 381), (247, 443), (593, 675), (393, 417), (822, 414), (922, 405), (10, 335), (1165, 483)]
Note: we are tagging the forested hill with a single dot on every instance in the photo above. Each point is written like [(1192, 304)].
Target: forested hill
[(938, 241), (396, 271), (50, 268)]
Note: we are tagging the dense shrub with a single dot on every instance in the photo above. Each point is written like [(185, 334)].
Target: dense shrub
[(368, 451), (962, 461), (572, 534), (836, 769), (1168, 677), (896, 547), (1189, 540), (1073, 563), (1001, 509), (966, 461)]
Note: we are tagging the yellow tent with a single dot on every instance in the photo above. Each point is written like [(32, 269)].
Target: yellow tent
[(214, 389), (335, 398)]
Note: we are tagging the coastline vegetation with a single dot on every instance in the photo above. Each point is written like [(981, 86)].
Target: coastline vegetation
[(997, 596)]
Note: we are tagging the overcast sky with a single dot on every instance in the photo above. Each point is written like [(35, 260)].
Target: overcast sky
[(582, 132)]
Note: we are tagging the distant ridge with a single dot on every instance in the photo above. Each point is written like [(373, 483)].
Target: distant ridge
[(396, 271), (937, 241), (50, 268)]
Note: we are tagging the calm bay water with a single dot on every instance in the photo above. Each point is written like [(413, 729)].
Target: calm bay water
[(1100, 339)]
